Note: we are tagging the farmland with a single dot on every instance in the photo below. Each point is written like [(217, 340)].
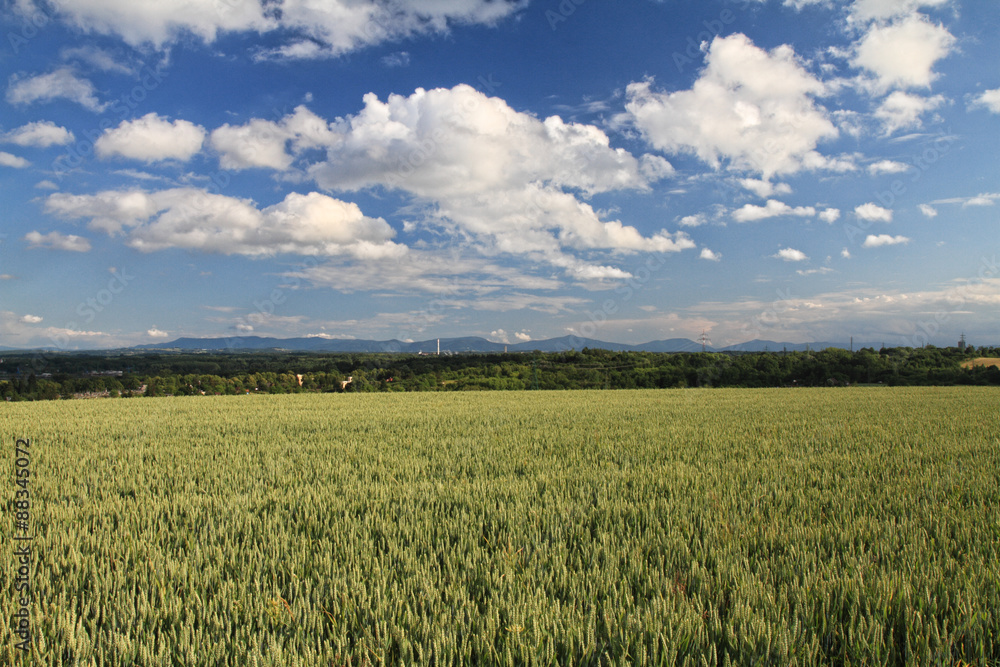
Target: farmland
[(726, 526)]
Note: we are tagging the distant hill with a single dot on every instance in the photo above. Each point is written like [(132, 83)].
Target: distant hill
[(448, 345), (457, 345), (467, 344), (772, 346)]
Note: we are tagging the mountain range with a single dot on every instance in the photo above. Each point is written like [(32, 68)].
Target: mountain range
[(466, 344)]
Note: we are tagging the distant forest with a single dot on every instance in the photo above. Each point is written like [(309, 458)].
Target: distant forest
[(49, 375)]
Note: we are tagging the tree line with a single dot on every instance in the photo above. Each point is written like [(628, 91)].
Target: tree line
[(73, 375)]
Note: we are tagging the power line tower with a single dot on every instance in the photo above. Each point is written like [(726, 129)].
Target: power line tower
[(704, 341)]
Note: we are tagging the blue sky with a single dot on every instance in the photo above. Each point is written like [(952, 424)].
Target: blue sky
[(797, 170)]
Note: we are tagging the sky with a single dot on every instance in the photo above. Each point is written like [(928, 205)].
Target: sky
[(787, 170)]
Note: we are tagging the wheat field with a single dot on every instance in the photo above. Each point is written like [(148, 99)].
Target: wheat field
[(682, 527)]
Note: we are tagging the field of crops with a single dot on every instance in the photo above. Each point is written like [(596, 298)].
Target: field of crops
[(833, 526)]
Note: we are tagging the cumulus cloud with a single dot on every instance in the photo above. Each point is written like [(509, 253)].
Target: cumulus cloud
[(901, 110), (830, 215), (873, 213), (15, 161), (57, 241), (42, 134), (695, 220), (312, 29), (772, 209), (151, 139), (709, 255), (791, 255), (928, 210), (60, 84), (501, 336), (902, 54), (31, 319), (510, 180), (887, 167), (156, 333), (882, 10), (988, 100), (752, 108), (876, 241), (765, 189), (980, 200), (310, 224)]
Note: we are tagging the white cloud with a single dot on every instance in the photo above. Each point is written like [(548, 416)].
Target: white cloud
[(151, 139), (981, 200), (259, 143), (771, 209), (873, 241), (709, 255), (928, 210), (887, 167), (398, 59), (988, 100), (823, 270), (46, 185), (845, 253), (765, 189), (60, 84), (96, 57), (902, 54), (311, 224), (791, 255), (873, 213), (42, 133), (880, 10), (57, 241), (695, 220), (903, 110), (505, 178), (156, 333), (749, 107), (31, 319), (314, 29), (457, 278), (830, 215), (15, 161)]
